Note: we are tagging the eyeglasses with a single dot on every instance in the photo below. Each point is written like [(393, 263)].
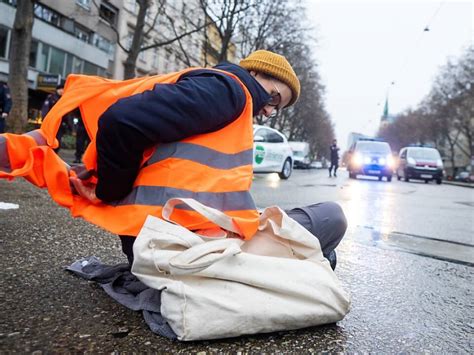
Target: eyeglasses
[(275, 99)]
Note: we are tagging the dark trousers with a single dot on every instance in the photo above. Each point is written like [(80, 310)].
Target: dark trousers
[(2, 123), (335, 166), (326, 221)]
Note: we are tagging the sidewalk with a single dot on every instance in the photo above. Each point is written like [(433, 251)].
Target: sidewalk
[(458, 183)]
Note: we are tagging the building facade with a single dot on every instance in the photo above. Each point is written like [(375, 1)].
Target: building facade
[(87, 36), (68, 36)]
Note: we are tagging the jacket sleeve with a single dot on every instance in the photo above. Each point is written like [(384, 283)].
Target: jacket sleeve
[(168, 113)]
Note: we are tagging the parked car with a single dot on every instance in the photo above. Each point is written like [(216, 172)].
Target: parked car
[(300, 154), (370, 157), (464, 176), (271, 152), (316, 164), (420, 163)]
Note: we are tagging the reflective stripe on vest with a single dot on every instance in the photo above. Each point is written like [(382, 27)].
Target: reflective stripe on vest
[(158, 195), (201, 155)]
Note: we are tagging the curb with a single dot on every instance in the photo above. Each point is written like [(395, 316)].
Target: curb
[(456, 183)]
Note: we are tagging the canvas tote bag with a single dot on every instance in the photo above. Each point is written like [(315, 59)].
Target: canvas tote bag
[(224, 286)]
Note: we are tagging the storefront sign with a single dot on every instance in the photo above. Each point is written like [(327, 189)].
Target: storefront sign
[(48, 82)]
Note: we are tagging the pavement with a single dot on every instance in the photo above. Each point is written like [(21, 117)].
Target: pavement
[(401, 302), (459, 183)]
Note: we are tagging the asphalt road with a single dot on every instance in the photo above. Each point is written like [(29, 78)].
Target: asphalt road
[(407, 295)]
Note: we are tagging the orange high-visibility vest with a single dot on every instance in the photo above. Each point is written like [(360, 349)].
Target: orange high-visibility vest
[(214, 168)]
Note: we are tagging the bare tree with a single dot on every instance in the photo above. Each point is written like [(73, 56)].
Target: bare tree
[(308, 120), (227, 15), (142, 29), (19, 57), (445, 117)]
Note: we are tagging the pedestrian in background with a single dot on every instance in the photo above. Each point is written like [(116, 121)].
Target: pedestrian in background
[(81, 136), (66, 124), (5, 104), (334, 151)]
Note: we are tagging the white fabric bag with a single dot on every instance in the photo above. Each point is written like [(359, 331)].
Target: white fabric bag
[(216, 288)]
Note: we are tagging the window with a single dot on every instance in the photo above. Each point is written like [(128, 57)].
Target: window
[(77, 65), (108, 13), (373, 147), (83, 34), (103, 43), (43, 58), (68, 69), (92, 69), (424, 153), (4, 34), (67, 25), (84, 3), (274, 137), (56, 65), (154, 61), (47, 15), (264, 133), (33, 53), (129, 40)]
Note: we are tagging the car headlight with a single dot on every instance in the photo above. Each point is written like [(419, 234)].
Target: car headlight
[(411, 161), (390, 162), (382, 161), (367, 160), (439, 163), (357, 159)]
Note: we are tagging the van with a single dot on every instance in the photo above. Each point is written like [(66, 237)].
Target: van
[(300, 154), (420, 163), (371, 157)]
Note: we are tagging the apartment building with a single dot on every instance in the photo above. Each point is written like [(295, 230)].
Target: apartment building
[(85, 36)]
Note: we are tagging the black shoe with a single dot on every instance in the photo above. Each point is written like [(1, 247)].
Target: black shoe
[(332, 259), (335, 175)]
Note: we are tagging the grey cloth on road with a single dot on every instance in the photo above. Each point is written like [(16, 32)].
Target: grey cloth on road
[(124, 287)]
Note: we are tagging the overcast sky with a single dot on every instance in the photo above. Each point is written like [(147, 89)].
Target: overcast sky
[(365, 45)]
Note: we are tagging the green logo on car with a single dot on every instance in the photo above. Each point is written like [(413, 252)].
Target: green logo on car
[(259, 154)]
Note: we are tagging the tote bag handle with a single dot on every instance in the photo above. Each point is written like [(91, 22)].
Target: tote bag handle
[(201, 256), (215, 216)]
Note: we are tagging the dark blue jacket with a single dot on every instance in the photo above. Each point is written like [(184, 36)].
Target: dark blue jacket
[(201, 101), (334, 150), (5, 98)]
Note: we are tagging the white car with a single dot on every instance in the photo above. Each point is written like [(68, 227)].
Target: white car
[(271, 152), (300, 154)]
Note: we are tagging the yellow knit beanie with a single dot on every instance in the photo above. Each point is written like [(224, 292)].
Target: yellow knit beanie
[(276, 66)]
